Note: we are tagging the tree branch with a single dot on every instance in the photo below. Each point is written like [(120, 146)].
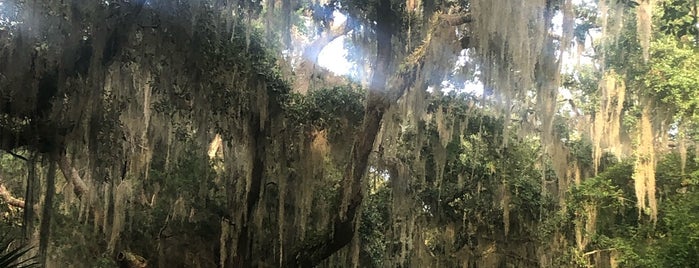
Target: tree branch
[(456, 19), (383, 92), (9, 198), (16, 155), (129, 259), (597, 251), (71, 174), (304, 73)]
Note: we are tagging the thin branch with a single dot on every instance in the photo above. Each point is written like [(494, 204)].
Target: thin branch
[(696, 22), (152, 26), (162, 229), (16, 155), (598, 251)]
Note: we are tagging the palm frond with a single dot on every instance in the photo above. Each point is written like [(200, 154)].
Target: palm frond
[(10, 257)]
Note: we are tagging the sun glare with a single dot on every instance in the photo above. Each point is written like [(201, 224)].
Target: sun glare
[(334, 56)]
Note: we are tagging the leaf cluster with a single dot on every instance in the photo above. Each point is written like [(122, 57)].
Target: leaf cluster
[(672, 76), (337, 108)]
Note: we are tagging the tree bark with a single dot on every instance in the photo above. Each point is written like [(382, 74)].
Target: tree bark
[(260, 133), (307, 68), (71, 174), (696, 22), (7, 196), (247, 234), (126, 259), (286, 22), (29, 199), (45, 227), (456, 19)]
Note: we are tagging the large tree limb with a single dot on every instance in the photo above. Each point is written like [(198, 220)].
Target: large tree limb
[(10, 199), (307, 67), (341, 232), (379, 100), (71, 174), (313, 50)]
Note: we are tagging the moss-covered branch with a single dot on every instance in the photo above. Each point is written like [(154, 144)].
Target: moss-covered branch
[(9, 198)]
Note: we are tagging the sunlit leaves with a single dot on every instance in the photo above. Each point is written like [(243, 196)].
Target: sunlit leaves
[(597, 190), (676, 19), (673, 75)]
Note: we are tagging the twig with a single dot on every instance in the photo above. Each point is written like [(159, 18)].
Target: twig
[(597, 251), (16, 155), (162, 230)]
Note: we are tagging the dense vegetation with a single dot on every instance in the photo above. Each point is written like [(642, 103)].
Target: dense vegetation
[(201, 133)]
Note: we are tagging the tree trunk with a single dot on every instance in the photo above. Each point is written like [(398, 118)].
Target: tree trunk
[(312, 252), (29, 199), (45, 227), (260, 132), (247, 234), (696, 22), (286, 22)]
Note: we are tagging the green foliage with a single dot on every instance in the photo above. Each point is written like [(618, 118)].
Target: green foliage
[(587, 14), (13, 172), (585, 81), (673, 242), (191, 176), (105, 262), (669, 174), (669, 81), (680, 245), (478, 171), (484, 166), (375, 220), (676, 239), (581, 151), (333, 108), (597, 190), (672, 75), (676, 18)]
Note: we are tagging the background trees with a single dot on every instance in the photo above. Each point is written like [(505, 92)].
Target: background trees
[(157, 127)]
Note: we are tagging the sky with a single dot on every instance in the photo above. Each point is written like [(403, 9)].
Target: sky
[(334, 58)]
